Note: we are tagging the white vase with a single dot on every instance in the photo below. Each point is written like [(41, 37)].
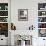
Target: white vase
[(22, 43)]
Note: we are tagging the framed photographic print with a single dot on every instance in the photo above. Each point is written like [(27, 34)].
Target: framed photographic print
[(22, 14)]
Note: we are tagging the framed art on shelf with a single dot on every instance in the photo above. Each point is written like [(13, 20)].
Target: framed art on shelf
[(42, 32)]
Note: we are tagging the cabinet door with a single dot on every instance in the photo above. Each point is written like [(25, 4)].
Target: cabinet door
[(41, 41)]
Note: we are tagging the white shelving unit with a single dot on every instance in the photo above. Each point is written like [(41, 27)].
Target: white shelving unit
[(42, 18), (4, 17), (4, 23)]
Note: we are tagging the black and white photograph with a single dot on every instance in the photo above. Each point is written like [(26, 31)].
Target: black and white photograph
[(23, 14)]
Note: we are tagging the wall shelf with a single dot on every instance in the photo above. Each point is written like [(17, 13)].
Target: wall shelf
[(3, 10), (3, 22), (41, 28), (42, 16), (41, 10), (3, 16), (41, 22)]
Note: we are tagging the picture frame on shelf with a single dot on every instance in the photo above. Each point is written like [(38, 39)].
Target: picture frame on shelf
[(41, 25), (22, 14), (41, 13), (41, 19), (3, 19), (42, 33), (3, 6), (3, 13), (41, 6)]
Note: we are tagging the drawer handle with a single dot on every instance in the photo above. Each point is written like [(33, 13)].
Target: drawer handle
[(1, 39)]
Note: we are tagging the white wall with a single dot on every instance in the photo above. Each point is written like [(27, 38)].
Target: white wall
[(32, 6), (32, 15)]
